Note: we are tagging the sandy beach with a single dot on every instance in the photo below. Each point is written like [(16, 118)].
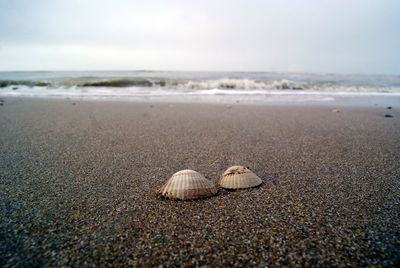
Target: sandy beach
[(78, 183)]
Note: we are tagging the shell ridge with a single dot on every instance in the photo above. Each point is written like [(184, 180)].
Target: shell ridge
[(182, 186), (197, 186)]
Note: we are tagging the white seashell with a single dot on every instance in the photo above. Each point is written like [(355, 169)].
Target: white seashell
[(237, 177), (187, 184)]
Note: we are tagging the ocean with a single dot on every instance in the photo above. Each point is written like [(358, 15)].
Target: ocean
[(143, 85)]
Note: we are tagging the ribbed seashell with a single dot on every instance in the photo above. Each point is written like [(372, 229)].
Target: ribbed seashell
[(238, 177), (187, 184)]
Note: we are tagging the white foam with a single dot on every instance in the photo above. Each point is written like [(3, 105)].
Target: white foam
[(166, 91)]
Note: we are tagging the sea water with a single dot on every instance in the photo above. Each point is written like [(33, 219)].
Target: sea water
[(254, 87)]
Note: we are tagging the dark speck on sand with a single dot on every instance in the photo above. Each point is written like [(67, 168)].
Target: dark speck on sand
[(78, 185), (388, 115)]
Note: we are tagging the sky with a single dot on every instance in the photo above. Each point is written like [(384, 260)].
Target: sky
[(321, 36)]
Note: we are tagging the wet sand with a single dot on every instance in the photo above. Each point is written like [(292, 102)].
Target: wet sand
[(78, 184)]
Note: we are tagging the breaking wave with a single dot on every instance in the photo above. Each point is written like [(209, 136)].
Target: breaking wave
[(181, 84), (190, 85), (243, 84)]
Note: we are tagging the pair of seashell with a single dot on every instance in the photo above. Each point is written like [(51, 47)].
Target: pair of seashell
[(189, 184)]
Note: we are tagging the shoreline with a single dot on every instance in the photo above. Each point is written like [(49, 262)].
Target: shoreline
[(326, 100)]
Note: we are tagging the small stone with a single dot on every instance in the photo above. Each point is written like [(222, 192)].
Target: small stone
[(389, 107), (388, 115)]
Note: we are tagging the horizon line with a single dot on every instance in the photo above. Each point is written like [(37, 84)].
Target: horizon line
[(201, 71)]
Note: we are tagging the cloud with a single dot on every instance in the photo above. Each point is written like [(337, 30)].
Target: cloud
[(317, 36)]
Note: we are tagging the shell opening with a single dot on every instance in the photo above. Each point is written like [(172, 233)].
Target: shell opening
[(235, 170)]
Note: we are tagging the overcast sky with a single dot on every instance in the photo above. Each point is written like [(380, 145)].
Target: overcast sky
[(341, 36)]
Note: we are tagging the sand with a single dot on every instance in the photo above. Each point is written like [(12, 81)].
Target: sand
[(78, 184)]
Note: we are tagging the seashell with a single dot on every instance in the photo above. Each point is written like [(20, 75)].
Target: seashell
[(187, 184), (239, 177)]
